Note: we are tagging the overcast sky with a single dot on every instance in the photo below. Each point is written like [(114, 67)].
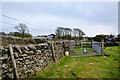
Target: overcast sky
[(91, 17)]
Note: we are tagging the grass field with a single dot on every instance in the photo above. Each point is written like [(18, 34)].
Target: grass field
[(84, 67)]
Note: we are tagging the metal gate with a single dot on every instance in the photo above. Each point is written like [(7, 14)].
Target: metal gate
[(86, 49)]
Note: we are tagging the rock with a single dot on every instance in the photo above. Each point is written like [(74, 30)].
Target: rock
[(3, 65), (10, 70), (42, 50), (1, 47), (26, 48), (6, 49), (24, 55), (30, 53), (42, 44), (18, 62), (20, 59), (44, 57), (16, 54), (32, 62), (38, 51), (41, 61), (25, 51), (36, 68), (11, 75), (5, 56), (27, 63), (31, 47), (18, 49), (25, 67)]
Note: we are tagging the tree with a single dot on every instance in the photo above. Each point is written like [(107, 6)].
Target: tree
[(60, 32), (78, 33), (100, 37), (2, 33), (63, 33), (22, 28), (67, 33)]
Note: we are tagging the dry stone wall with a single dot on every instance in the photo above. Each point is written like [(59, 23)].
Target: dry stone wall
[(30, 59)]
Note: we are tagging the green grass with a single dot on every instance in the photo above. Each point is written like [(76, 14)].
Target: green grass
[(79, 49), (84, 67)]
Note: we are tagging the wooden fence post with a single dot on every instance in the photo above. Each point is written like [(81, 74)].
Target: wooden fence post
[(16, 76), (53, 52)]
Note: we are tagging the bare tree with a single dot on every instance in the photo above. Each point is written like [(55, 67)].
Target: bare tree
[(22, 28)]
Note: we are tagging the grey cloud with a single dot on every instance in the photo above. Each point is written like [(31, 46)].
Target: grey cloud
[(75, 14)]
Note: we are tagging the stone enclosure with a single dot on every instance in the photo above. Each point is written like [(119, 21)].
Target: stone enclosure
[(30, 59)]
